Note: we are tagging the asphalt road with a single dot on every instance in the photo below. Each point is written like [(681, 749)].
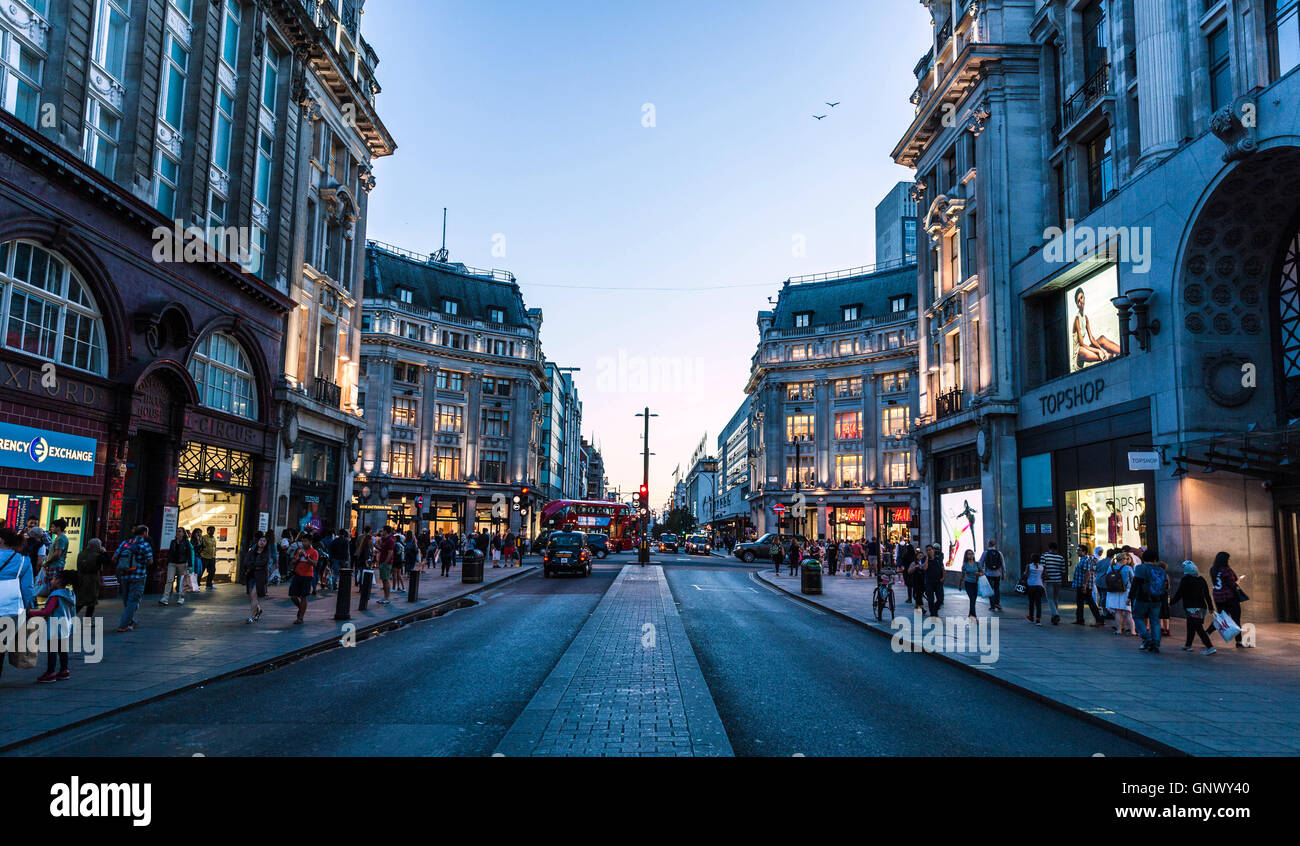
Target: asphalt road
[(786, 679)]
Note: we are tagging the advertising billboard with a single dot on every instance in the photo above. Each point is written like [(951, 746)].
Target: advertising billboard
[(961, 524), (1093, 322)]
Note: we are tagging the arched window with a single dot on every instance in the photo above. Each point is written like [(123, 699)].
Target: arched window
[(47, 310), (1288, 318), (223, 375)]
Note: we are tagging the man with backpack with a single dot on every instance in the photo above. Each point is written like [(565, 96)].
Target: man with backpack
[(995, 568), (1148, 590), (1084, 574), (132, 562)]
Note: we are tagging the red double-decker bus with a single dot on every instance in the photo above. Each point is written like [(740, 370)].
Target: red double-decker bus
[(608, 518)]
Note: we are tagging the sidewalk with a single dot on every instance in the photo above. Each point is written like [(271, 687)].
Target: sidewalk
[(1237, 702), (181, 646), (629, 684)]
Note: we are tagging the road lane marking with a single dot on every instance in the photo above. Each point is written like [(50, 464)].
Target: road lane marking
[(754, 577)]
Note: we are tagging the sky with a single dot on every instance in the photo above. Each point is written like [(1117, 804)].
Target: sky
[(650, 172)]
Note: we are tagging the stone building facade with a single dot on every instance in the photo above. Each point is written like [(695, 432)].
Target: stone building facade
[(1139, 265), (451, 377), (832, 395)]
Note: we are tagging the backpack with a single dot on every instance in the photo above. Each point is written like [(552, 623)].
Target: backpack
[(1114, 580), (993, 562), (1157, 583)]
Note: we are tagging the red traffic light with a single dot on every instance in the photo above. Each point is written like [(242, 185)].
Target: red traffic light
[(523, 491)]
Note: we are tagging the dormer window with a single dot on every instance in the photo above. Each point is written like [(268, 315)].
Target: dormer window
[(898, 304), (450, 307), (802, 319), (405, 295), (851, 312), (497, 315)]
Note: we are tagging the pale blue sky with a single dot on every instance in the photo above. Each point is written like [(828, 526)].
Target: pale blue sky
[(525, 120)]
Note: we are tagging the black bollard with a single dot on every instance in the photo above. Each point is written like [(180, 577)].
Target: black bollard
[(413, 586), (344, 598), (367, 578)]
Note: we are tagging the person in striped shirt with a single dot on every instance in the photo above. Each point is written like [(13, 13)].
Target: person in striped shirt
[(1055, 573)]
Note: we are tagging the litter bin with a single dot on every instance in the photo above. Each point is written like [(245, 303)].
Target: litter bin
[(810, 576), (471, 567)]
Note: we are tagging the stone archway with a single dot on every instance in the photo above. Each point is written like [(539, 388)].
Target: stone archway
[(1227, 300)]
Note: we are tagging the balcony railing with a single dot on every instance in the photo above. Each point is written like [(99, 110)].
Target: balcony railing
[(325, 391), (947, 404), (1097, 86)]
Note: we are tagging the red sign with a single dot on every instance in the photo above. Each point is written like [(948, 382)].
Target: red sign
[(778, 508), (850, 515), (902, 514)]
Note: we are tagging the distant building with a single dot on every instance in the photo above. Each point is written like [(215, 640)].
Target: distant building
[(833, 392), (896, 226), (731, 508), (561, 438), (595, 472), (451, 372)]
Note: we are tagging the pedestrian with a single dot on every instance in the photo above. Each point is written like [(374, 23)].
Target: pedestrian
[(365, 550), (911, 564), (1164, 605), (256, 569), (1035, 589), (1055, 577), (778, 555), (1194, 593), (994, 568), (387, 546), (1085, 574), (447, 553), (208, 555), (1148, 589), (1227, 592), (284, 558), (509, 548), (90, 564), (794, 556), (970, 576), (303, 566), (832, 557), (56, 558), (15, 566), (340, 550), (180, 560), (132, 561), (873, 555), (934, 572), (59, 611), (1116, 579), (399, 562), (36, 545)]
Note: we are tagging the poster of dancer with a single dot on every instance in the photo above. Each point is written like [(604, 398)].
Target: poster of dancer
[(962, 526)]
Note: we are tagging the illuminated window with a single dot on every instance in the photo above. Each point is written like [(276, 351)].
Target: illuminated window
[(798, 426), (223, 375), (848, 426), (848, 470)]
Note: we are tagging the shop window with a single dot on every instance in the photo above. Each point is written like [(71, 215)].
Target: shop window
[(401, 459), (492, 466), (48, 311), (847, 388), (799, 391), (798, 426), (848, 471), (848, 426), (447, 463), (1110, 517), (223, 375)]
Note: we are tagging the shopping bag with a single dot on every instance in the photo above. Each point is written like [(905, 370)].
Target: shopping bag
[(1225, 626), (191, 584), (11, 598), (985, 589), (23, 658)]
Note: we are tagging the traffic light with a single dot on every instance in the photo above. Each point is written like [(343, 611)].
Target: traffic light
[(643, 499)]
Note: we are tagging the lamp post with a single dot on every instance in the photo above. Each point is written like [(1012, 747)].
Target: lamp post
[(643, 551)]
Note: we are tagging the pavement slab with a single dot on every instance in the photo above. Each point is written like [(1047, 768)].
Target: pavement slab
[(629, 684), (178, 647), (1236, 702)]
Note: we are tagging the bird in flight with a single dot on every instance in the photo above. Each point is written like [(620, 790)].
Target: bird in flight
[(819, 117), (833, 105)]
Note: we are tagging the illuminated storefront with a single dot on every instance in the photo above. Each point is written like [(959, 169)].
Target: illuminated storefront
[(215, 484), (1076, 487)]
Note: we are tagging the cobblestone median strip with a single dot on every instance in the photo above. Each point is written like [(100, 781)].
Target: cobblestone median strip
[(629, 684)]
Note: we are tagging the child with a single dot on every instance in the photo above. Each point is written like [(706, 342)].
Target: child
[(60, 611)]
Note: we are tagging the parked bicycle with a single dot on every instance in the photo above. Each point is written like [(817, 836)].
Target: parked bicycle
[(883, 597)]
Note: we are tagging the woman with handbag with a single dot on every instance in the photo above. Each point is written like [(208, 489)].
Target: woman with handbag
[(90, 567), (180, 559), (17, 589), (970, 577), (256, 561), (1194, 593), (1227, 593)]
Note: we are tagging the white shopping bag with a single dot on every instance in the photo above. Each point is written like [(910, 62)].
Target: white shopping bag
[(985, 589), (1225, 626), (11, 598)]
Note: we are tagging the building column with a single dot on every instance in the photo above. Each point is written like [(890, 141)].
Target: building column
[(1163, 91)]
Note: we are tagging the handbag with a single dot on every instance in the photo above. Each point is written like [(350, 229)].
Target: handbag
[(985, 589), (1240, 595), (1226, 627), (24, 659), (191, 583)]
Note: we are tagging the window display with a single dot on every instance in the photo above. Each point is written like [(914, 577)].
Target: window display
[(1109, 517), (1094, 322)]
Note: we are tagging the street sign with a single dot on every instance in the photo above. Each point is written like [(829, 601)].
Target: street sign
[(779, 508), (1144, 460)]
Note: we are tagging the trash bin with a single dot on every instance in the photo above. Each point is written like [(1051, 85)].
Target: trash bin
[(471, 567), (810, 576)]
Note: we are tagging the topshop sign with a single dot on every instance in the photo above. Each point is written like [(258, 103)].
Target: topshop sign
[(49, 452)]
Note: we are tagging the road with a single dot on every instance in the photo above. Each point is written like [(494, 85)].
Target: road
[(786, 679)]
